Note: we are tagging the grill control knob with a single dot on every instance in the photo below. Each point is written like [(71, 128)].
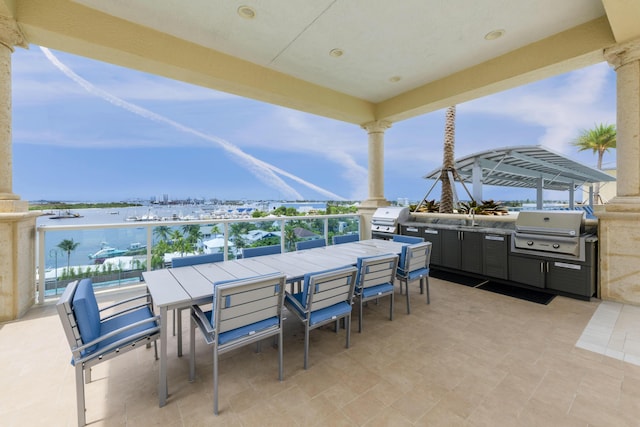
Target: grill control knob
[(529, 243), (556, 246)]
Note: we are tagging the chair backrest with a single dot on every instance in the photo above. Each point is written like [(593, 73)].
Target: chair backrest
[(376, 270), (414, 257), (248, 305), (345, 238), (261, 250), (407, 239), (308, 244), (323, 289), (67, 316), (197, 259)]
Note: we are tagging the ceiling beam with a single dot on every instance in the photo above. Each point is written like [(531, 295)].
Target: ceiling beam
[(575, 48), (70, 27), (624, 18)]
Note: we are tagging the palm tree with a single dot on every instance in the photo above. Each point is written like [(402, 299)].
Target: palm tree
[(448, 161), (599, 139), (68, 246), (162, 232)]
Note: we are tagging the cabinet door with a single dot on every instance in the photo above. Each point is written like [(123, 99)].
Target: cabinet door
[(529, 271), (432, 235), (495, 251), (570, 277), (450, 248), (471, 251)]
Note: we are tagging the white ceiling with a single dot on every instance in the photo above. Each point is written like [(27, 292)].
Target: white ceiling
[(420, 41)]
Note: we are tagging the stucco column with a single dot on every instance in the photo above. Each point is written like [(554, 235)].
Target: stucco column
[(17, 224), (376, 198), (619, 220)]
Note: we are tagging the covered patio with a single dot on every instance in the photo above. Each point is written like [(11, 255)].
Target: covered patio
[(470, 357)]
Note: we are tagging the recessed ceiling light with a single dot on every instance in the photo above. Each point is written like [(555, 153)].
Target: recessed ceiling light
[(395, 79), (495, 34), (246, 12), (336, 53)]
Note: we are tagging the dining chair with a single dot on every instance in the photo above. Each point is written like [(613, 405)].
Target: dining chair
[(97, 334), (184, 262), (325, 297), (375, 280), (345, 238), (414, 265), (261, 250), (244, 311), (407, 239), (310, 244)]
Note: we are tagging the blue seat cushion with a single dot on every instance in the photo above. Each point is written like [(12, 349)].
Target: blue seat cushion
[(416, 274), (372, 291), (86, 312), (124, 320), (243, 331), (338, 310)]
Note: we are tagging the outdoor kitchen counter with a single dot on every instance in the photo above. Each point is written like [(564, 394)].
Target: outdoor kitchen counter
[(489, 229)]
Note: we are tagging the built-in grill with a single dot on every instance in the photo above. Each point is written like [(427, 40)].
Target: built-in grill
[(550, 233), (386, 221)]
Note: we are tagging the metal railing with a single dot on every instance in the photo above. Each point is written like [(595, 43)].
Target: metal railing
[(140, 230)]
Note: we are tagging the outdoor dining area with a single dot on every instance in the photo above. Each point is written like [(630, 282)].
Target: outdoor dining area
[(467, 358)]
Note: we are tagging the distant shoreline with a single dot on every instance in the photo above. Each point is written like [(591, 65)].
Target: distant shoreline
[(68, 206)]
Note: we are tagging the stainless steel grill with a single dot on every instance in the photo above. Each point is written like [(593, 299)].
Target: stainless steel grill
[(385, 221), (549, 233)]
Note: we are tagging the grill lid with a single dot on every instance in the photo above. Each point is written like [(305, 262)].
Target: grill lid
[(549, 231), (550, 223), (386, 219)]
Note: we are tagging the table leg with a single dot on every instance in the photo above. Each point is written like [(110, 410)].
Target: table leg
[(163, 390)]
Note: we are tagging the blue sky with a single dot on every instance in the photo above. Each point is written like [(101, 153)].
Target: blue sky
[(134, 135)]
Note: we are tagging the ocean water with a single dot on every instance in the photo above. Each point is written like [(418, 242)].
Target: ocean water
[(92, 241)]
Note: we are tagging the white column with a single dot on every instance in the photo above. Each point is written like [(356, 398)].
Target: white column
[(10, 36), (17, 224), (619, 220), (375, 198)]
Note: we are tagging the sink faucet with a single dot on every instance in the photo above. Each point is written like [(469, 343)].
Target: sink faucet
[(472, 213)]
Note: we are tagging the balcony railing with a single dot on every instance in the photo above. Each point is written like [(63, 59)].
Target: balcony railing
[(222, 235)]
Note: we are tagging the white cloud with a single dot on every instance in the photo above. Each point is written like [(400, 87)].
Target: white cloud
[(562, 106)]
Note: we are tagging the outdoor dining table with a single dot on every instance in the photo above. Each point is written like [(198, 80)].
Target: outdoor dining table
[(183, 287)]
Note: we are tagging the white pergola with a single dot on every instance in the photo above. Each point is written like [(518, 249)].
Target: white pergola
[(525, 166)]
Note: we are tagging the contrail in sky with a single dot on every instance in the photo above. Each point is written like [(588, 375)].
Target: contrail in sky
[(264, 171)]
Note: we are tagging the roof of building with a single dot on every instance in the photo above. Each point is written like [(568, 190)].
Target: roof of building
[(522, 166)]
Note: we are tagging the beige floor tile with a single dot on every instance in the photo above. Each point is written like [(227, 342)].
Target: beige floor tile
[(470, 358)]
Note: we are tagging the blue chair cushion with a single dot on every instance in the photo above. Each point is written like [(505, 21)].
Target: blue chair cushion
[(243, 331), (124, 320), (417, 274), (197, 259), (86, 312), (338, 310), (372, 291), (407, 239)]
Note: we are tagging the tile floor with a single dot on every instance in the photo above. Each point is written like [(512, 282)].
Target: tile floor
[(470, 358)]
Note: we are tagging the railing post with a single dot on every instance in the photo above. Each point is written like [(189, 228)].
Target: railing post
[(225, 231), (326, 231), (41, 283), (149, 242), (282, 236)]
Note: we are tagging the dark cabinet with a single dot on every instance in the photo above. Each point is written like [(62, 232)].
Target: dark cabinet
[(429, 235), (577, 278), (462, 250), (495, 252), (529, 271)]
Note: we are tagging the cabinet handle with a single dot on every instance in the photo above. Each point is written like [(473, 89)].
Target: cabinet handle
[(547, 266), (541, 267)]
